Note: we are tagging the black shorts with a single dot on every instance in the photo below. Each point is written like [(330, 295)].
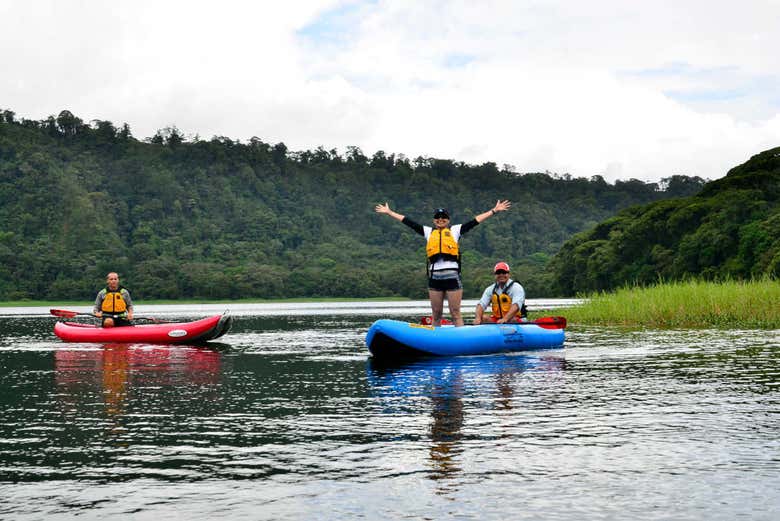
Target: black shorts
[(118, 321), (448, 284)]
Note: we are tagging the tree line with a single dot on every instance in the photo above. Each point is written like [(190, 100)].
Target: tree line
[(184, 217)]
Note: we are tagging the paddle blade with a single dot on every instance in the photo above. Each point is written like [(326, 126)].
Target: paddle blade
[(551, 322), (63, 313)]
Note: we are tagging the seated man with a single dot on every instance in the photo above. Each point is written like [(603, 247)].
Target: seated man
[(506, 298), (113, 303)]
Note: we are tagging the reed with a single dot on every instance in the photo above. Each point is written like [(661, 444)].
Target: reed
[(691, 304)]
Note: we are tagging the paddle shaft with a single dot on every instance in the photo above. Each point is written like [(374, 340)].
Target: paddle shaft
[(64, 313), (69, 314)]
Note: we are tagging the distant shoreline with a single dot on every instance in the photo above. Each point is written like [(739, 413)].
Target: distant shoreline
[(61, 303)]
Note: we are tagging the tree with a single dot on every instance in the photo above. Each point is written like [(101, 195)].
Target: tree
[(68, 124)]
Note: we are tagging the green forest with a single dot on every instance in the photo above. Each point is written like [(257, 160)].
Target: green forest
[(185, 217), (728, 231)]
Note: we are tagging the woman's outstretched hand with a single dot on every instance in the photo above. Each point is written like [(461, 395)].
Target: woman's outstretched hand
[(382, 208), (385, 209), (502, 206)]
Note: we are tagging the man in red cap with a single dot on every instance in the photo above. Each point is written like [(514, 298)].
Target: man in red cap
[(505, 297)]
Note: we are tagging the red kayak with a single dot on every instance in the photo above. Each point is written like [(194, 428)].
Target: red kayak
[(196, 332)]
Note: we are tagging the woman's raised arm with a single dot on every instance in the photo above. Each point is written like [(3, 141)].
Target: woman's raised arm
[(385, 208)]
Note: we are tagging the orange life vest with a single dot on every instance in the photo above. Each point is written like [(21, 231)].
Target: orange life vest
[(442, 245), (114, 302), (502, 303)]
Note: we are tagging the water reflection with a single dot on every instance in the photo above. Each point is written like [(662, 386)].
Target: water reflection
[(116, 370), (446, 426), (479, 388)]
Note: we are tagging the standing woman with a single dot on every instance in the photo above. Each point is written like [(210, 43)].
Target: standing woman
[(444, 256)]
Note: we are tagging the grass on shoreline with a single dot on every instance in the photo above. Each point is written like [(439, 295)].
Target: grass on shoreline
[(692, 304)]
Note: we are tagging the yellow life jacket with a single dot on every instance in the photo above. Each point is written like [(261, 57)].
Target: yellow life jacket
[(501, 304), (441, 245), (113, 302)]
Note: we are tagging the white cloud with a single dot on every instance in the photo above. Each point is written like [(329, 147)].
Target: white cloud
[(621, 89)]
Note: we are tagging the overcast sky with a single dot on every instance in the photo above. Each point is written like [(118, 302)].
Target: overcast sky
[(617, 88)]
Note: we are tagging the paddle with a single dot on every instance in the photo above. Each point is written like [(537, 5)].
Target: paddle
[(64, 313), (154, 320), (550, 322), (545, 322), (70, 314)]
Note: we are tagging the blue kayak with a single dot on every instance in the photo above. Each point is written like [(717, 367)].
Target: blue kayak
[(393, 339)]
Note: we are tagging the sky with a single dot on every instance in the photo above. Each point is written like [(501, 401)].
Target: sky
[(618, 88)]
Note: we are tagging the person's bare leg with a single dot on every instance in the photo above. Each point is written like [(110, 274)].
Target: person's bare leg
[(437, 305), (453, 300)]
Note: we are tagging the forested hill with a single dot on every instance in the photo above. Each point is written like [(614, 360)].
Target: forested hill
[(223, 219), (731, 229)]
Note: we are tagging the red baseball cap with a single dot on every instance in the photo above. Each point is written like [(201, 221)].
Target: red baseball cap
[(501, 266)]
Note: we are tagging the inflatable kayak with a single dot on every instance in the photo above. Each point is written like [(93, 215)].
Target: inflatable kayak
[(392, 339), (196, 332)]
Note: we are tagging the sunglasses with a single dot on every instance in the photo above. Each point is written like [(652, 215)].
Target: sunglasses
[(501, 272), (440, 217)]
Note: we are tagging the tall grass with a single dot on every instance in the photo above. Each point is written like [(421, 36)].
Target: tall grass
[(691, 304)]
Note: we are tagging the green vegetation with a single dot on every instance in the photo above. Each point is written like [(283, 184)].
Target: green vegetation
[(692, 304), (42, 303), (152, 302), (730, 230), (223, 220)]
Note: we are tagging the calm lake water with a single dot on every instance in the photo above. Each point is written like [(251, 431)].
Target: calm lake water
[(287, 417)]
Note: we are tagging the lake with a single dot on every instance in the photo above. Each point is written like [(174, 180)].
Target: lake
[(288, 417)]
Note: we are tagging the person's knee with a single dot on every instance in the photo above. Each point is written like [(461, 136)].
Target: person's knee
[(109, 322)]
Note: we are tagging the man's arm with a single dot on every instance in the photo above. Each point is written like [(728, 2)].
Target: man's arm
[(482, 305), (510, 315), (98, 303), (126, 296)]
